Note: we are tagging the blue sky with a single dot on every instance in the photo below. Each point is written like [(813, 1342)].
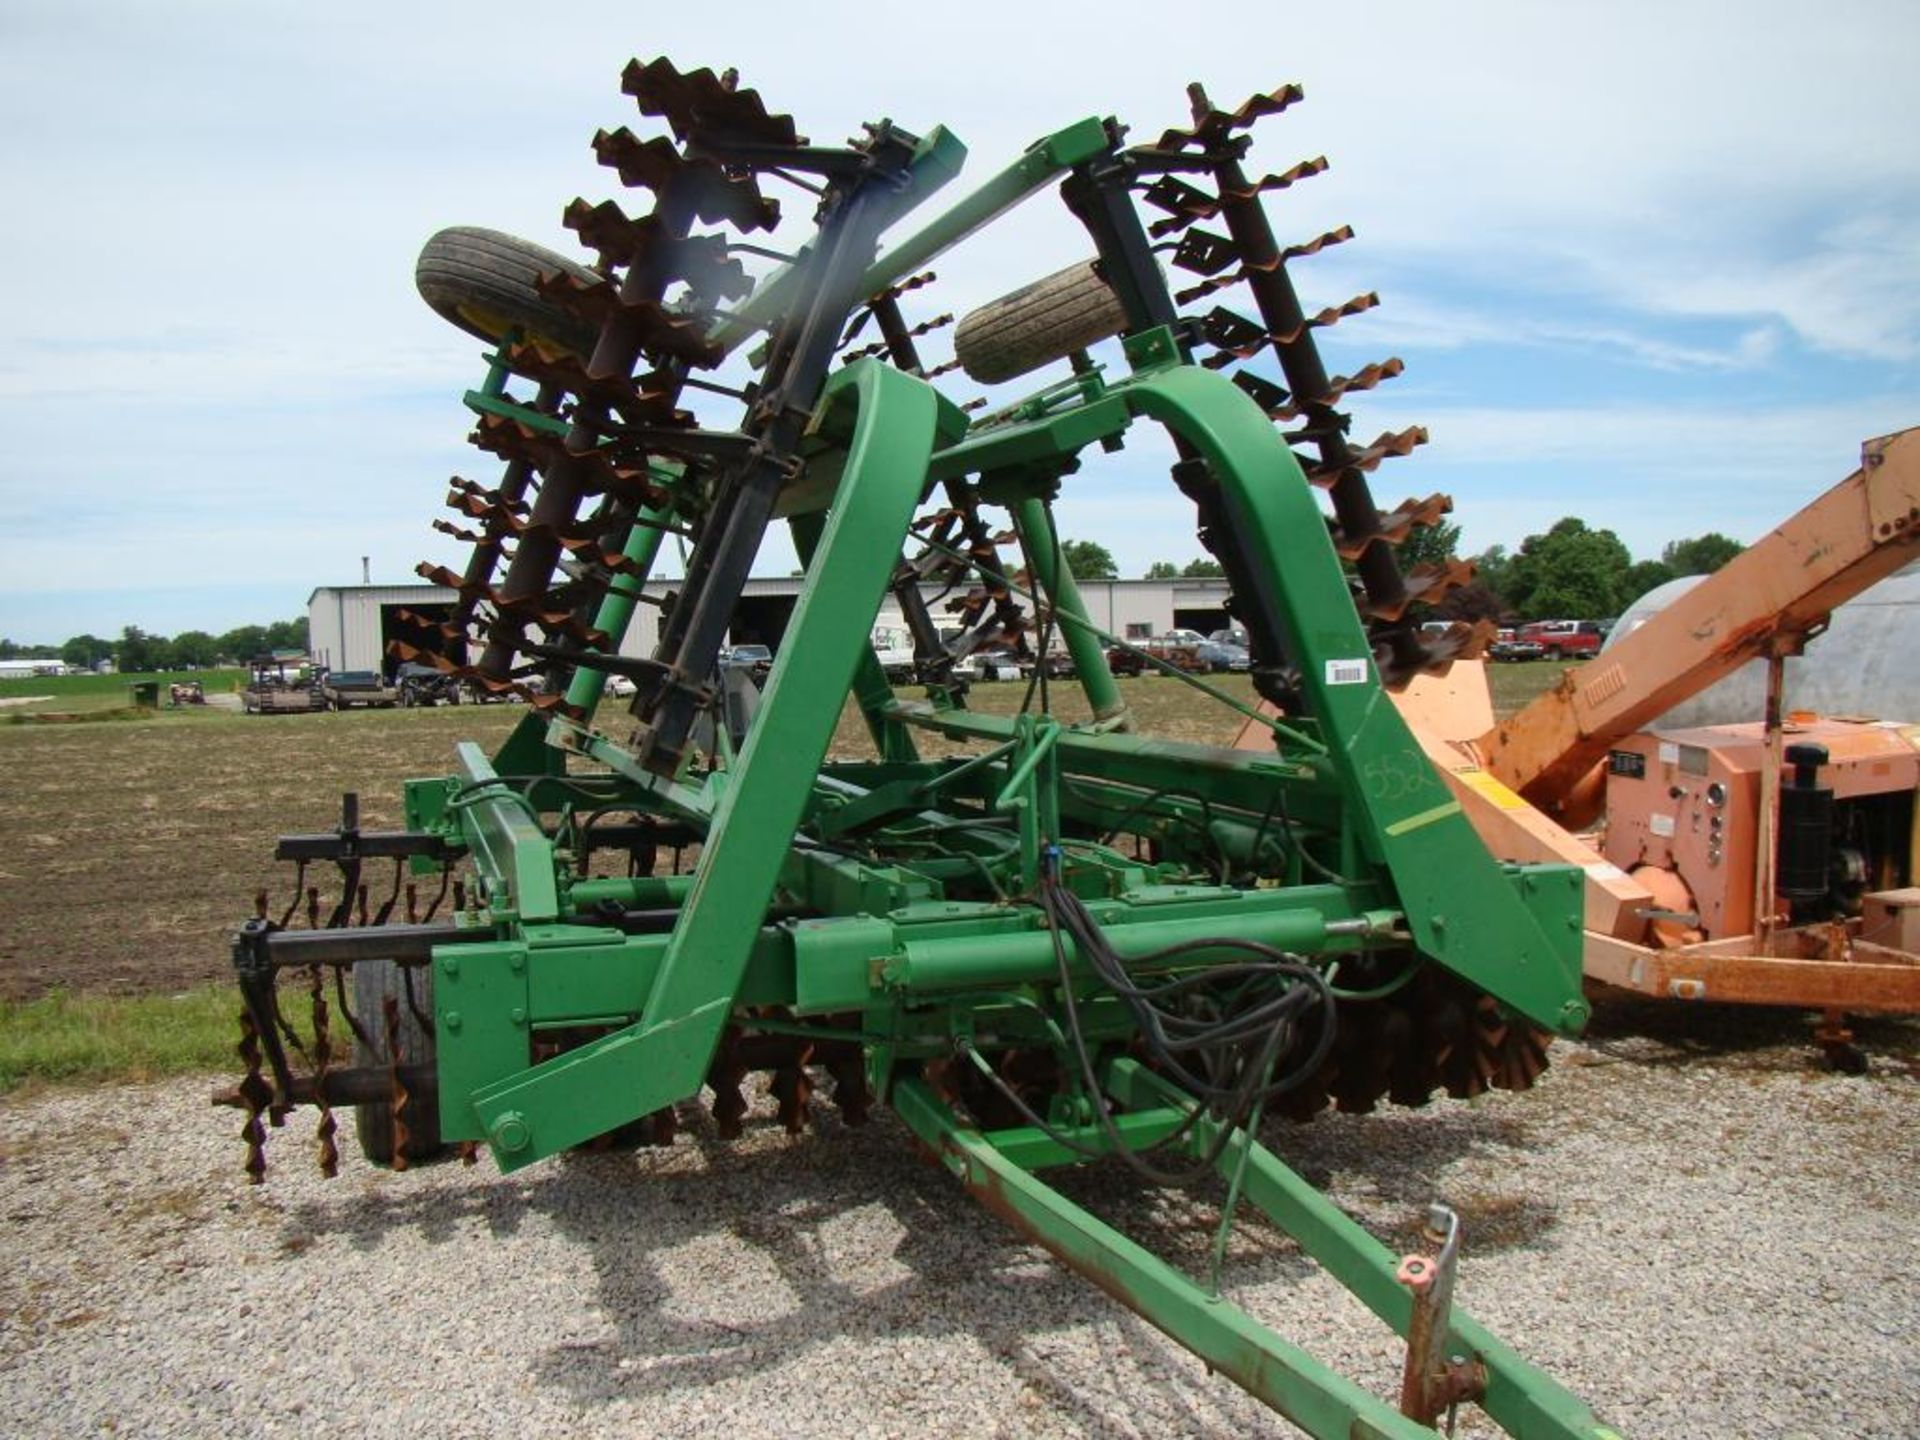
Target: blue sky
[(1654, 265)]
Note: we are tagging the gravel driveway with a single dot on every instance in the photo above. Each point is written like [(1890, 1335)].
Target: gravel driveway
[(1700, 1239)]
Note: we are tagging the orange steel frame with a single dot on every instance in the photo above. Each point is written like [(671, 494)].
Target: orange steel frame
[(1531, 783)]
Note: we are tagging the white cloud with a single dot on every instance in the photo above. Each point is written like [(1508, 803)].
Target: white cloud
[(1413, 321), (1651, 473), (1853, 289), (216, 217)]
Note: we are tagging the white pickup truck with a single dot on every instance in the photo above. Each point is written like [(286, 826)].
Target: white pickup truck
[(893, 643)]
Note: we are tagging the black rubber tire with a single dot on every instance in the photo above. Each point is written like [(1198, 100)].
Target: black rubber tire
[(1038, 324), (486, 283), (373, 981)]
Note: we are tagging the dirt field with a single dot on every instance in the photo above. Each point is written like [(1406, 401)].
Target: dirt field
[(129, 849)]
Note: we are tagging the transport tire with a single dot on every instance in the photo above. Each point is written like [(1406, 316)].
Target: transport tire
[(487, 283), (373, 982), (1038, 324)]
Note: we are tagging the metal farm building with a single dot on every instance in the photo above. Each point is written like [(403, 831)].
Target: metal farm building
[(351, 626)]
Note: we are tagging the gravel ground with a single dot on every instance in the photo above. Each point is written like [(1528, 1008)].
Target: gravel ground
[(1700, 1239)]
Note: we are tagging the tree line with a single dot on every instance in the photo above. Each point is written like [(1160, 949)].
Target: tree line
[(137, 651), (1567, 572)]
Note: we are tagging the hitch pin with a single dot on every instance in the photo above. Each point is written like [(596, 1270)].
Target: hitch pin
[(1435, 1380)]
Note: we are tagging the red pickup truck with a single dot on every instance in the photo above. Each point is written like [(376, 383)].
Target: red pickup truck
[(1565, 639)]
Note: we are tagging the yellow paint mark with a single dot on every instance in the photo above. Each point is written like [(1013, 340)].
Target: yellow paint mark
[(1489, 789), (1425, 817)]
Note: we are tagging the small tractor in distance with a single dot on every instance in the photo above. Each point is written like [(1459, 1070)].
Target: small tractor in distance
[(1040, 941)]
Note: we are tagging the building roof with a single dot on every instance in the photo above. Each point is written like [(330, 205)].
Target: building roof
[(773, 585)]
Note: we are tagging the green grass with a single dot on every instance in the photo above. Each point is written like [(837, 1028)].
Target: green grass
[(101, 696), (93, 1038), (116, 685)]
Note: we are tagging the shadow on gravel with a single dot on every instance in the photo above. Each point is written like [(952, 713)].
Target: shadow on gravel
[(1387, 1167), (845, 1238), (932, 1264), (436, 1213), (718, 1263), (1761, 1039)]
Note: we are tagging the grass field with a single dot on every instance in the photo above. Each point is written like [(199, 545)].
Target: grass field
[(65, 1037), (129, 851), (89, 696)]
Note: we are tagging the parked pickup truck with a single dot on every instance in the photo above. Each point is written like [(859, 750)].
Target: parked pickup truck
[(1179, 648), (1510, 647), (1566, 639), (348, 689)]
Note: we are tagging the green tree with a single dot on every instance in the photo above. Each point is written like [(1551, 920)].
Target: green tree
[(1162, 570), (1086, 560), (1205, 568), (83, 652), (138, 651), (196, 648), (1569, 573), (243, 642), (1702, 555), (9, 650), (1472, 602), (289, 634), (1430, 545), (1493, 568)]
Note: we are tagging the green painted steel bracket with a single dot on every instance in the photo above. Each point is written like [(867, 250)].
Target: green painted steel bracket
[(1045, 160), (511, 853), (616, 610), (692, 803), (1151, 762), (1522, 1399), (895, 422), (1041, 545), (1462, 910), (996, 1169), (480, 1022), (1284, 1376), (996, 946), (525, 750), (1031, 791), (872, 691)]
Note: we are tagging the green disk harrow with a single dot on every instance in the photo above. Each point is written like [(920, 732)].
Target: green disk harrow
[(1042, 943)]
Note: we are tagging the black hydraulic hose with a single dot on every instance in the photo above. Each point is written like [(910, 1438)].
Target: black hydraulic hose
[(1243, 1046)]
